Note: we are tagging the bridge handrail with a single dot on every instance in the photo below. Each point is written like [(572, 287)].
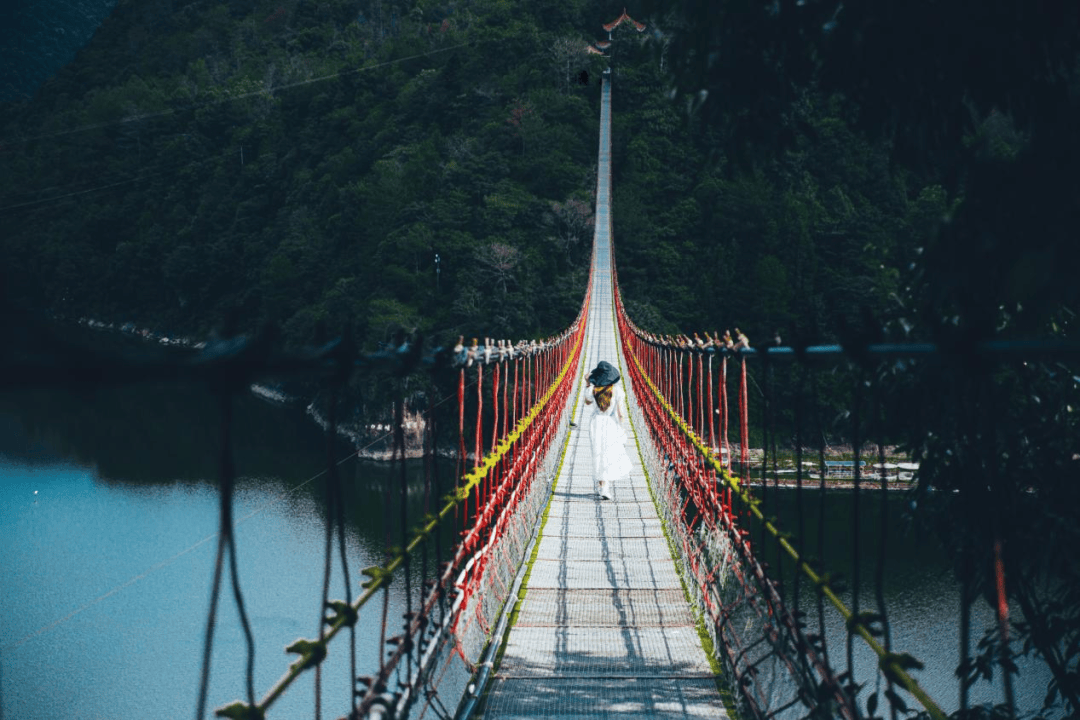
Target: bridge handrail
[(893, 665), (312, 652), (1025, 349)]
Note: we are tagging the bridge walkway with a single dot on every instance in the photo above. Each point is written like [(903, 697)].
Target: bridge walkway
[(605, 629)]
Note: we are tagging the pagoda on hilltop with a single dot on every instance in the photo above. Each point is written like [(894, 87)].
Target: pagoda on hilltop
[(610, 27), (600, 47)]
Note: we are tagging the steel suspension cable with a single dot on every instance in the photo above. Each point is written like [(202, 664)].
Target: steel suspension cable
[(821, 518), (399, 443), (331, 514), (883, 537), (856, 439), (335, 482), (226, 544), (800, 524)]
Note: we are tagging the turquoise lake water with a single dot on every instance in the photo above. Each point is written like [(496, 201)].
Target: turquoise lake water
[(108, 515)]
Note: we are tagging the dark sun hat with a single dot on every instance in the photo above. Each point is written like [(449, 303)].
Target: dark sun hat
[(604, 374)]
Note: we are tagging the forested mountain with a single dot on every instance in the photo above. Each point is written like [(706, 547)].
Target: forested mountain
[(387, 166), (310, 164), (912, 161)]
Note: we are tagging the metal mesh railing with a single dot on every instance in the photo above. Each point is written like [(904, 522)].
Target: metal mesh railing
[(789, 631)]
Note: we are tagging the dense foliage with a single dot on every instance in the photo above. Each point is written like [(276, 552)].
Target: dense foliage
[(873, 149), (311, 165)]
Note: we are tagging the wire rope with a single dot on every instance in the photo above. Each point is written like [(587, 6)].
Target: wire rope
[(52, 201), (237, 96)]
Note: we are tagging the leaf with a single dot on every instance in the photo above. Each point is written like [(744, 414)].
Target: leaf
[(890, 663), (378, 575), (240, 711), (311, 652), (896, 701), (342, 610), (867, 620)]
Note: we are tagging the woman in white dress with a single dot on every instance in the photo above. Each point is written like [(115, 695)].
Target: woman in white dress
[(610, 461)]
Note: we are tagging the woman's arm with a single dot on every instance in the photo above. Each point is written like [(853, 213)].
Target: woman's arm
[(588, 393)]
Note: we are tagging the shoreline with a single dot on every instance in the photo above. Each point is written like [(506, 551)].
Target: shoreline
[(870, 484)]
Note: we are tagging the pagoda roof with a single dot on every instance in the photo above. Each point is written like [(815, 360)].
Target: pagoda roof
[(624, 18)]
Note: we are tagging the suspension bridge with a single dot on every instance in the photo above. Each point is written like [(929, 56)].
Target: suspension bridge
[(526, 595), (604, 626), (548, 601)]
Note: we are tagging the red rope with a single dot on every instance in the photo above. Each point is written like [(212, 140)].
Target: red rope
[(690, 391), (479, 415), (526, 372), (672, 378), (479, 432), (541, 375), (1002, 598), (712, 410), (744, 420), (495, 407), (701, 400), (505, 404), (461, 433), (724, 414), (517, 406), (670, 372), (665, 374), (679, 380)]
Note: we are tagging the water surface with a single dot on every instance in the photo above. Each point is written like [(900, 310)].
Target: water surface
[(921, 594), (109, 520)]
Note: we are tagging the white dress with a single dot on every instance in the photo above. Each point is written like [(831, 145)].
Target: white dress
[(610, 461)]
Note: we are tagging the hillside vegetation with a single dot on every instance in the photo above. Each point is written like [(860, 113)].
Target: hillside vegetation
[(312, 165), (380, 166)]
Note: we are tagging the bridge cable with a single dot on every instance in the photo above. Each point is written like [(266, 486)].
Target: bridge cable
[(883, 535), (47, 202), (332, 502), (226, 543), (988, 418), (339, 507), (822, 491), (856, 439), (800, 521), (241, 96)]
